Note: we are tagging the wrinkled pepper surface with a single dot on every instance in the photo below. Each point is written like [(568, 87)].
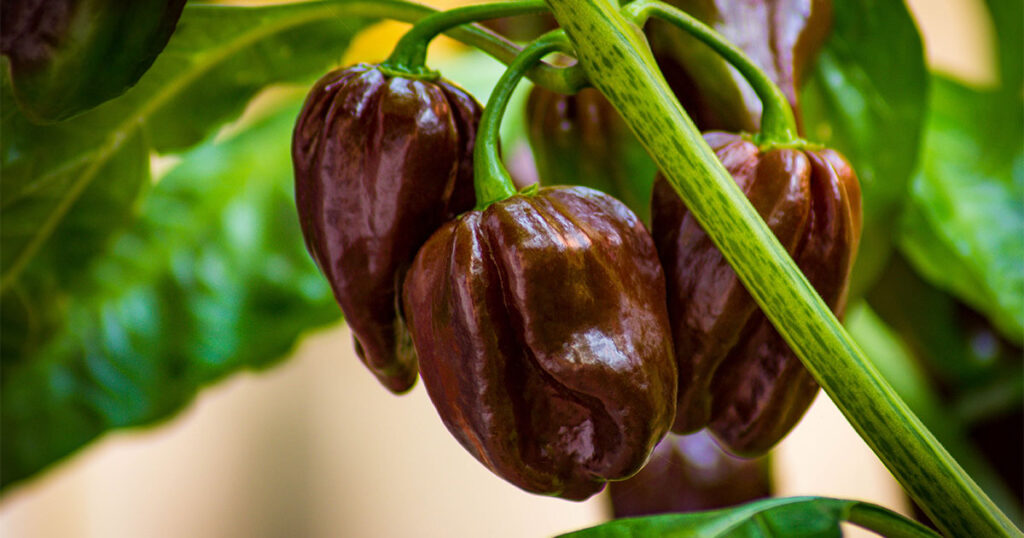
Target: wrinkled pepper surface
[(380, 163), (581, 140), (543, 338), (690, 473), (737, 375)]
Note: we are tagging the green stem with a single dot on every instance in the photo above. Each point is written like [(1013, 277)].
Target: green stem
[(410, 53), (490, 178), (557, 79), (778, 125), (618, 62)]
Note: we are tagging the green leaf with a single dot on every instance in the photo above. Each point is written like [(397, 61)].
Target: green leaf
[(213, 277), (89, 211), (69, 56), (936, 327), (1008, 20), (964, 220), (866, 98), (789, 517), (216, 61)]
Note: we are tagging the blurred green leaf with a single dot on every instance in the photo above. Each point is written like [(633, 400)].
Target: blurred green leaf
[(87, 211), (964, 221), (866, 97), (212, 278), (1008, 20), (216, 61), (71, 55), (817, 517), (939, 330)]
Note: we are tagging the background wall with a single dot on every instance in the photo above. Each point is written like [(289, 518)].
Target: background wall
[(316, 448)]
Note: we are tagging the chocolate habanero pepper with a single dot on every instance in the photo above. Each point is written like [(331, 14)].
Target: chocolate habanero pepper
[(381, 161), (543, 338), (690, 473), (581, 139), (737, 375)]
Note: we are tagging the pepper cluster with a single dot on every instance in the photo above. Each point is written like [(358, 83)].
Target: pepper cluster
[(539, 322), (737, 376), (558, 339)]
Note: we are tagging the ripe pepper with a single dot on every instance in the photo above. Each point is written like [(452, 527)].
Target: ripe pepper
[(381, 162), (737, 376), (543, 338), (582, 140), (690, 473)]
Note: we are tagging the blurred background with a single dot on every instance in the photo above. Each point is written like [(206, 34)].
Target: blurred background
[(315, 447)]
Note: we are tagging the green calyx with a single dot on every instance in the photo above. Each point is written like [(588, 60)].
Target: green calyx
[(491, 180), (529, 190), (778, 124), (769, 145), (409, 56), (420, 73)]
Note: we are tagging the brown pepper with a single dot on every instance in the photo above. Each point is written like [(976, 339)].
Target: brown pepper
[(737, 376), (543, 338), (380, 162), (581, 139), (690, 473)]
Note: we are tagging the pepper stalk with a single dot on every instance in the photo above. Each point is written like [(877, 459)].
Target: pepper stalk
[(409, 57), (778, 124), (490, 177)]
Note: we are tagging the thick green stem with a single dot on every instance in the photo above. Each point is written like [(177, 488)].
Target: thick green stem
[(490, 178), (618, 61), (410, 53), (778, 125)]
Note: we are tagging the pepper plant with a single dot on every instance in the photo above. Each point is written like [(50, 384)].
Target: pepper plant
[(121, 298)]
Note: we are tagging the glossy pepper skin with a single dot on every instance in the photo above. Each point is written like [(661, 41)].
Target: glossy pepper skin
[(690, 473), (737, 376), (380, 163), (582, 140), (543, 338)]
